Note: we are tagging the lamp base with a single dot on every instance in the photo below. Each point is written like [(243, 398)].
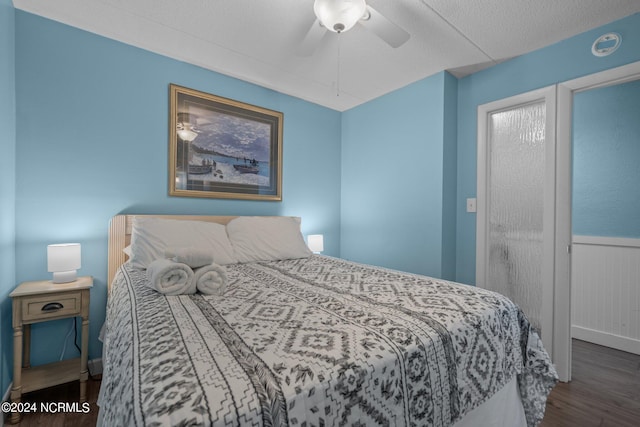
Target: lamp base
[(64, 276)]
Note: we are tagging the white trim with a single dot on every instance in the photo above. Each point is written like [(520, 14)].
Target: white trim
[(562, 302), (606, 339), (549, 228), (562, 269), (610, 77), (481, 196), (622, 242)]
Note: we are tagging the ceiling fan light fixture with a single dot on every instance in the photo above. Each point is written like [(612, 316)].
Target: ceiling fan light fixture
[(186, 133), (339, 15)]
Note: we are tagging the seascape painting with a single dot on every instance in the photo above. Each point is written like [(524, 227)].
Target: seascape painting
[(223, 148)]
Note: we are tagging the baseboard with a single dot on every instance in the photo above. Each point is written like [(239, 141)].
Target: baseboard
[(5, 398), (95, 366), (618, 342)]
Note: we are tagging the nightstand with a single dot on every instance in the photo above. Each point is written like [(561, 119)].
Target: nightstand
[(41, 301)]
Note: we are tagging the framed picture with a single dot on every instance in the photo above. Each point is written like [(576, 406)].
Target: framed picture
[(223, 148)]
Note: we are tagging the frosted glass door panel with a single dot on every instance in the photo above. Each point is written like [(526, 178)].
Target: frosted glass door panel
[(516, 206)]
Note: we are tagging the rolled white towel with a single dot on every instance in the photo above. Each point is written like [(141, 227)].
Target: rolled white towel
[(171, 278), (210, 279), (193, 257)]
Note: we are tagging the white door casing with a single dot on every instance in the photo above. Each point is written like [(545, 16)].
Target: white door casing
[(562, 295)]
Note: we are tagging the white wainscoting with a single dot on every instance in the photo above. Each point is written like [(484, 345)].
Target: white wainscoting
[(605, 291)]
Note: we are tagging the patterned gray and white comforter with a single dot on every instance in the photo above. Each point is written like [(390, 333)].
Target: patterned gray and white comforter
[(315, 342)]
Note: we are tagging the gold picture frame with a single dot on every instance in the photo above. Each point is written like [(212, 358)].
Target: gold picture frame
[(221, 148)]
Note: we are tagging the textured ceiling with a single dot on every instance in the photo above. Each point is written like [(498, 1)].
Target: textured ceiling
[(256, 40)]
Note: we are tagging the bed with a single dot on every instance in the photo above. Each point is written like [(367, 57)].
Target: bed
[(315, 341)]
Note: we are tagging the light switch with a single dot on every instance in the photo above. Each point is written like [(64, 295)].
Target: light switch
[(471, 205)]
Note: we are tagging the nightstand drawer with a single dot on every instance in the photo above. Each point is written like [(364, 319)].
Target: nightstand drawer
[(40, 307)]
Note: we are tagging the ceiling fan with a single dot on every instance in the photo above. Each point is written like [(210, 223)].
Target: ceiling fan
[(341, 15)]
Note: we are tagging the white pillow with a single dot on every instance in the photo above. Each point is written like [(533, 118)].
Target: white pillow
[(151, 236), (256, 238)]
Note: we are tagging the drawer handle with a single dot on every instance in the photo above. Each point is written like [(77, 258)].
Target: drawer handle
[(52, 306)]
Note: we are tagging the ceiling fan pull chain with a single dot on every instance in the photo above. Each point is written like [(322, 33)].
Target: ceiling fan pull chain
[(338, 67)]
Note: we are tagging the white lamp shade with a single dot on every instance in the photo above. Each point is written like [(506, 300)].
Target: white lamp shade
[(339, 15), (315, 242), (63, 260)]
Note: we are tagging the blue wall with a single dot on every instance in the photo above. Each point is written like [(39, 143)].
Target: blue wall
[(606, 161), (394, 152), (562, 61), (92, 115), (7, 186), (386, 183)]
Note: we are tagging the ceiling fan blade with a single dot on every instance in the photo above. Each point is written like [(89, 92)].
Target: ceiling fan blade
[(383, 28), (312, 40)]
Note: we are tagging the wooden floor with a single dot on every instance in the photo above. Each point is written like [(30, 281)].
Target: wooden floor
[(605, 391), (62, 393)]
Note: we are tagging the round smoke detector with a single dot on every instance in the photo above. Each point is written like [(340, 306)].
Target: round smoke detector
[(606, 44)]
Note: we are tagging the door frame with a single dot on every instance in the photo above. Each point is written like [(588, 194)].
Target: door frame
[(551, 255), (562, 312)]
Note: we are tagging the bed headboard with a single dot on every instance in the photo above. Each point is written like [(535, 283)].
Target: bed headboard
[(120, 236)]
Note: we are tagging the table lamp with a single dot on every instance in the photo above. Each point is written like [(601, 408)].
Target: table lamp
[(63, 260)]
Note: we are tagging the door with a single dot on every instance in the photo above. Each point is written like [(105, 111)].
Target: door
[(516, 204)]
